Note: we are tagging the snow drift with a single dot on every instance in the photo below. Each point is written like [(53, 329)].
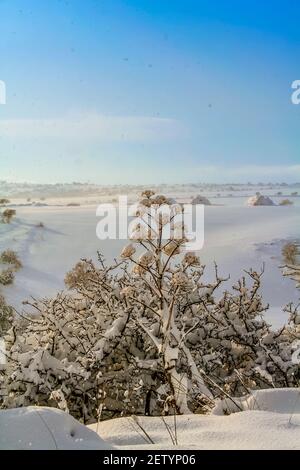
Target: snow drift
[(278, 400), (271, 420), (39, 428)]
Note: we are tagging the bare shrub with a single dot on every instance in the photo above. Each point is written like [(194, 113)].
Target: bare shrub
[(4, 201), (83, 274), (286, 202), (8, 215), (7, 277), (6, 315), (11, 257), (290, 252)]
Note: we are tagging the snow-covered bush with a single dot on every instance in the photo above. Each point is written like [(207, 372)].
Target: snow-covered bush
[(6, 315), (286, 202), (293, 271), (4, 201), (7, 276), (10, 257), (7, 215), (201, 200), (260, 200), (290, 252), (147, 335)]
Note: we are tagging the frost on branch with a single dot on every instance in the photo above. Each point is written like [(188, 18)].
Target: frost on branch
[(147, 335)]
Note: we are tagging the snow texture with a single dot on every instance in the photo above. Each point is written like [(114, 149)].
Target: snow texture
[(274, 425), (39, 428)]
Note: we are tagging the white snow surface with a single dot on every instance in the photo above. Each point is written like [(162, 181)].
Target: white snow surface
[(237, 237), (41, 428), (278, 400), (272, 422)]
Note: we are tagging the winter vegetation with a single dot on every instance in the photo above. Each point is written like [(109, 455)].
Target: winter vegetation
[(10, 258), (76, 192), (7, 276), (286, 202), (201, 200), (291, 268), (260, 200), (147, 335), (12, 263), (6, 316), (290, 253), (7, 215), (4, 201)]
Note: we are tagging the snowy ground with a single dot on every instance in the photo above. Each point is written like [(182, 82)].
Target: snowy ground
[(237, 237), (39, 428), (246, 430), (271, 420)]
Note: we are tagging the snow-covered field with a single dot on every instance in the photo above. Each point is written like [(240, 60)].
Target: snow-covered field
[(237, 237), (271, 420), (51, 236)]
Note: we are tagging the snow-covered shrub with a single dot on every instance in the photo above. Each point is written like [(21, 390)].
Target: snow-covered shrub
[(6, 315), (10, 257), (286, 202), (290, 252), (260, 200), (7, 215), (7, 276), (147, 335), (4, 201), (201, 200), (293, 271)]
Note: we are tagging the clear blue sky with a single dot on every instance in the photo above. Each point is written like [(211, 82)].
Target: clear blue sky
[(125, 91)]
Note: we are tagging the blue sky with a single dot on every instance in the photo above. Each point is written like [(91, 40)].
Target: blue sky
[(142, 91)]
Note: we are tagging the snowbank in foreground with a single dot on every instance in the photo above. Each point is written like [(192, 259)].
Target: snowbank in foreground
[(272, 423), (45, 428), (271, 420), (278, 400)]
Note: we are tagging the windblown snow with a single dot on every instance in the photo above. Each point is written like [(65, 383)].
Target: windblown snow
[(270, 420), (39, 428)]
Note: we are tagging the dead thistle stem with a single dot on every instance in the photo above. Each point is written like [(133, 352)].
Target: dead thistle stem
[(135, 419)]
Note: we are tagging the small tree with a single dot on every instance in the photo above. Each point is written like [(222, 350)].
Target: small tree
[(147, 335)]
